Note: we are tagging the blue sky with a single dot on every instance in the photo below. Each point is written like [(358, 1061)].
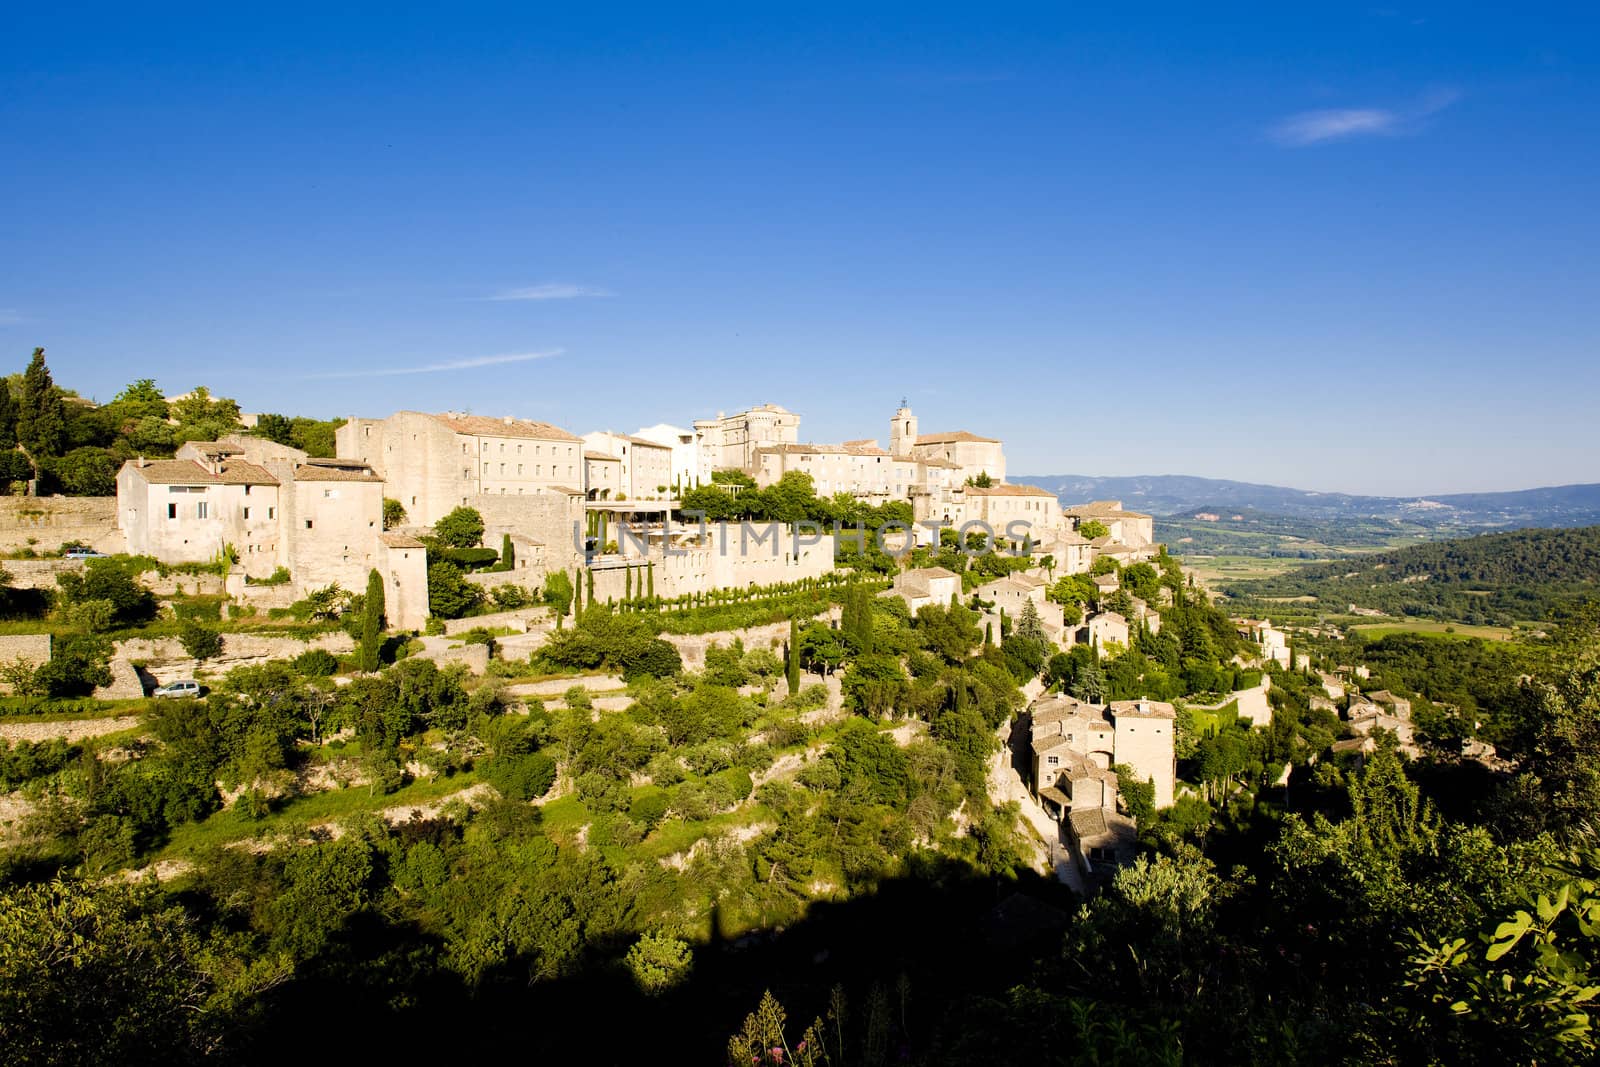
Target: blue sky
[(1333, 246)]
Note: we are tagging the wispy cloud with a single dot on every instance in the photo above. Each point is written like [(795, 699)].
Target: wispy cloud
[(1340, 124), (550, 291), (469, 363), (10, 316)]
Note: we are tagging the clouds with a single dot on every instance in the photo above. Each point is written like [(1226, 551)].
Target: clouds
[(468, 363), (550, 291), (1342, 124)]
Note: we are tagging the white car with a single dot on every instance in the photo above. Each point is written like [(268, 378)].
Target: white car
[(185, 688)]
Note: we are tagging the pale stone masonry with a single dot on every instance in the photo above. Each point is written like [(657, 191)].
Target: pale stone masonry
[(685, 448), (729, 442), (645, 465), (1075, 744), (273, 505), (434, 464)]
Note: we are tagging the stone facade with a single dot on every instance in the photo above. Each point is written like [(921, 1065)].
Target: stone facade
[(646, 465), (1075, 745), (44, 523), (729, 442), (434, 464)]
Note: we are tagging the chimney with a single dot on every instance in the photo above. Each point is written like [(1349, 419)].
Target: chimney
[(509, 420), (143, 463)]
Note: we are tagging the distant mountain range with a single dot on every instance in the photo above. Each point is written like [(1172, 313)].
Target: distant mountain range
[(1177, 494)]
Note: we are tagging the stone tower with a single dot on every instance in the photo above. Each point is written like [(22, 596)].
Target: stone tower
[(903, 431)]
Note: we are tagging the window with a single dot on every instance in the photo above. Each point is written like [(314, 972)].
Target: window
[(519, 468), (201, 510), (486, 468), (330, 494), (308, 524), (272, 513), (247, 490), (502, 469), (172, 511), (246, 514)]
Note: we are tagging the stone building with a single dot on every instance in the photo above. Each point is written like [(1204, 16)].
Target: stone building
[(1075, 744), (859, 468), (685, 447), (1132, 528), (602, 476), (923, 586), (434, 464), (970, 454), (646, 464), (270, 505), (729, 442)]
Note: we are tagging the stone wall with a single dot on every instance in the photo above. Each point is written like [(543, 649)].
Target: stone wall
[(127, 682), (50, 521), (520, 620), (237, 649), (32, 649), (475, 657), (38, 573), (692, 647)]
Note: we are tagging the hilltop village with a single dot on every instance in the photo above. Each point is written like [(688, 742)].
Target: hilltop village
[(526, 704)]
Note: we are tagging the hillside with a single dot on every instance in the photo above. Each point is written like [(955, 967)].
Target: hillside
[(1497, 577), (1173, 494)]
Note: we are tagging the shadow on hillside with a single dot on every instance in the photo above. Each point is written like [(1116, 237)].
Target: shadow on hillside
[(950, 936)]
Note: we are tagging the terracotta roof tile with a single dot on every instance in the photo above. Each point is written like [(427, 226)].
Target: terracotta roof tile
[(484, 426)]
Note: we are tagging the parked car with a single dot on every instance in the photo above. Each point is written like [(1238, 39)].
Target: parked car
[(84, 553), (185, 688)]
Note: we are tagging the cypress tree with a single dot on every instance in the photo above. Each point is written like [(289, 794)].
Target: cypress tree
[(650, 580), (577, 598), (793, 666), (627, 585), (588, 578), (508, 552), (8, 419), (372, 621), (41, 416)]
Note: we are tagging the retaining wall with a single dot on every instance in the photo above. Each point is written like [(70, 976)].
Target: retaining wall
[(50, 521)]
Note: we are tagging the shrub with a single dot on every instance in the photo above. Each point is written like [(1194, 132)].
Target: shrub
[(649, 807), (316, 663), (658, 963), (522, 777), (199, 640)]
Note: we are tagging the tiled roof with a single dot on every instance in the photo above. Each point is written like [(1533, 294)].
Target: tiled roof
[(1088, 822), (601, 457), (400, 540), (484, 426), (1009, 489), (925, 573), (188, 472), (335, 470), (849, 448), (569, 491), (1102, 509), (1143, 709), (956, 437)]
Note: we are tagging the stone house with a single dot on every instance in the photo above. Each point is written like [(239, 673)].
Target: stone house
[(1075, 744), (646, 464), (602, 476), (1104, 629), (923, 586), (859, 468), (684, 445), (434, 464), (1132, 528), (969, 454)]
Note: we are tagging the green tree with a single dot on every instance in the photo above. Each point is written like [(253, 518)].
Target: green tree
[(658, 962), (792, 657), (8, 418), (41, 415), (394, 513), (508, 553), (558, 594), (450, 595), (1092, 529), (276, 428), (200, 641), (372, 621), (86, 472), (462, 528)]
